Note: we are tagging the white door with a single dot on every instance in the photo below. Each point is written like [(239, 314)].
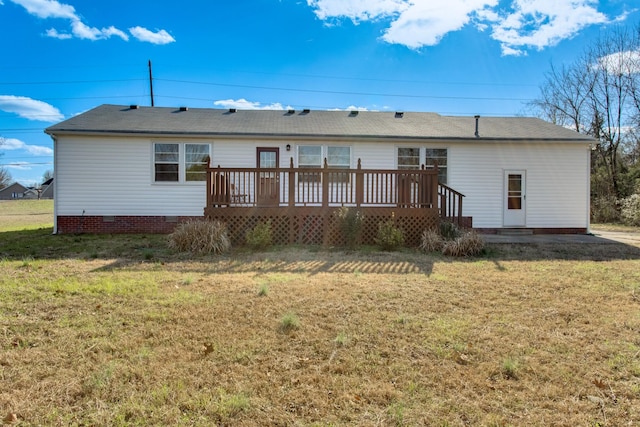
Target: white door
[(515, 198)]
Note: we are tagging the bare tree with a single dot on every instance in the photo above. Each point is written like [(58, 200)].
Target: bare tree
[(5, 176), (599, 95), (47, 175)]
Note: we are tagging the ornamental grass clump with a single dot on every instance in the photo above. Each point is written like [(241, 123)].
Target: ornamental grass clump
[(452, 241), (432, 241), (468, 244), (200, 236)]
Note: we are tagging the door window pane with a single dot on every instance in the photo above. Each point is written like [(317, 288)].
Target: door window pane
[(514, 196)]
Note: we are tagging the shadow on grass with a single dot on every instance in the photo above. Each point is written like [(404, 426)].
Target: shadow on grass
[(127, 250)]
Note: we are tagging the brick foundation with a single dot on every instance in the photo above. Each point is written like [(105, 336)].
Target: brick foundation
[(119, 224)]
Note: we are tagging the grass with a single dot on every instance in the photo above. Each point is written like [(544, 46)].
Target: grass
[(94, 331), (25, 214)]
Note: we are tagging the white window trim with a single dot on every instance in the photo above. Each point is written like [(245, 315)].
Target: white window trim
[(324, 153), (182, 167), (423, 154)]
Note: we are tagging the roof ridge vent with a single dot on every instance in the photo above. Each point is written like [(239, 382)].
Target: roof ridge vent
[(184, 108), (399, 114)]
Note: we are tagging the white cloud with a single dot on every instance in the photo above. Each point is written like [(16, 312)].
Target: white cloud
[(517, 24), (53, 33), (243, 104), (424, 23), (356, 10), (543, 23), (83, 31), (30, 108), (144, 35), (627, 62), (16, 144), (47, 9)]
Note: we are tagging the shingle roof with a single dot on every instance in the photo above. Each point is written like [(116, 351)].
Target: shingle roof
[(115, 119)]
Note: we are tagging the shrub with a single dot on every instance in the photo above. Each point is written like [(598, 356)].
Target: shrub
[(260, 236), (468, 244), (449, 231), (200, 236), (389, 236), (432, 241), (605, 209), (630, 211), (350, 225)]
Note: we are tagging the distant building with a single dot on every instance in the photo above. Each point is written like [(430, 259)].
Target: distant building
[(13, 192)]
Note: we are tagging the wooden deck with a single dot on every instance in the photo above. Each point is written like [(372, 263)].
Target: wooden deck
[(301, 203)]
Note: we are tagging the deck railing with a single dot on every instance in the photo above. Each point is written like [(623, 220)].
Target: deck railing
[(323, 187), (450, 204)]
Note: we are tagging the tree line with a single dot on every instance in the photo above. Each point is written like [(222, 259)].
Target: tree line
[(599, 95)]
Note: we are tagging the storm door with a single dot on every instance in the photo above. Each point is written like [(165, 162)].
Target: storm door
[(514, 198), (267, 181)]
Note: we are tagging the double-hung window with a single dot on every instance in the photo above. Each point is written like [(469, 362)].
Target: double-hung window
[(413, 157), (311, 156), (167, 162), (180, 162)]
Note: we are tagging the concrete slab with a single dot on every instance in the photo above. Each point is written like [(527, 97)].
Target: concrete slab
[(597, 237)]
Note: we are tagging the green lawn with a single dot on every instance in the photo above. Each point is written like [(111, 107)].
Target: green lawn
[(25, 214)]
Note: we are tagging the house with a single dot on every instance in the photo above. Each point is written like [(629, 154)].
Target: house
[(13, 192), (46, 189), (143, 169)]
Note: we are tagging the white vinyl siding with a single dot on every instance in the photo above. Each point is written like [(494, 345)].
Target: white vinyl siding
[(557, 183), (114, 176)]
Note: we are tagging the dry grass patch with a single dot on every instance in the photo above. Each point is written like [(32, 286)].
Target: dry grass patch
[(386, 339), (526, 335)]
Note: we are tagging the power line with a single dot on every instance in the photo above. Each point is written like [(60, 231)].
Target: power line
[(72, 82), (332, 92)]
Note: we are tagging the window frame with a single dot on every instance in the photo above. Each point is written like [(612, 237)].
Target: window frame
[(426, 159), (183, 175), (324, 154)]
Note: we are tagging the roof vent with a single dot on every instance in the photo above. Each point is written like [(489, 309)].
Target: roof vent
[(399, 114), (133, 107), (291, 111), (353, 113), (184, 108), (232, 110), (477, 134), (306, 111)]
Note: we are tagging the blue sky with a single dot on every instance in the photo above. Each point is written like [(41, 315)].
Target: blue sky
[(453, 57)]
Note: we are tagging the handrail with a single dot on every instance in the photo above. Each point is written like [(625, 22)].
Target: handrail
[(324, 187), (450, 204)]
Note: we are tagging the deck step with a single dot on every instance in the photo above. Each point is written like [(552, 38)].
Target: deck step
[(515, 232)]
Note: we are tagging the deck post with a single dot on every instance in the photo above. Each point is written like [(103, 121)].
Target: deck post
[(209, 199), (292, 201), (325, 204), (359, 184)]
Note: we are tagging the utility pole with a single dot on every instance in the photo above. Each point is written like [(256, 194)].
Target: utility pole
[(151, 82)]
